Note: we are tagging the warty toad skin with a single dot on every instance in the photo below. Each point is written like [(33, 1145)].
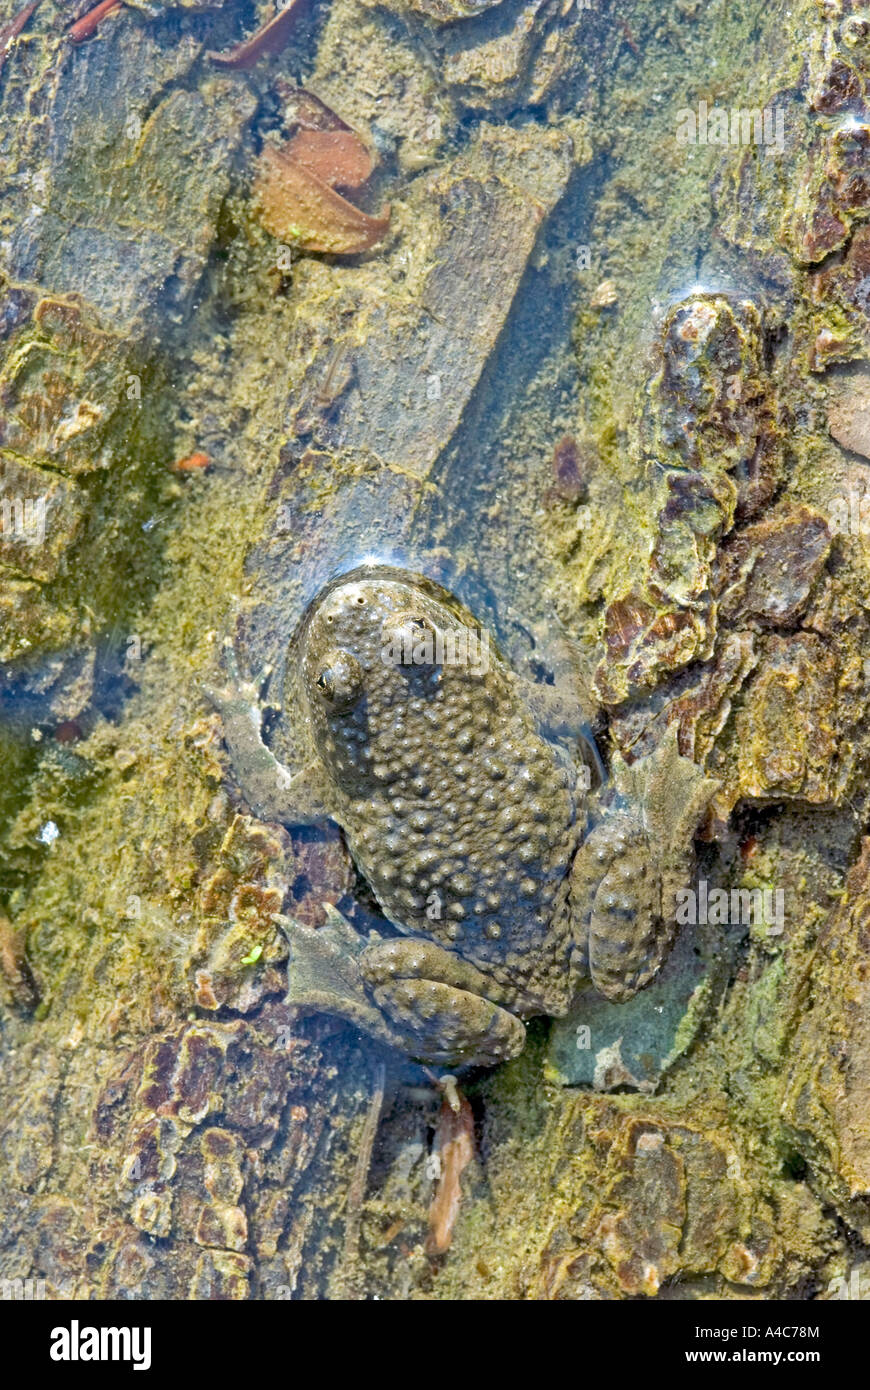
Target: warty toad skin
[(471, 825)]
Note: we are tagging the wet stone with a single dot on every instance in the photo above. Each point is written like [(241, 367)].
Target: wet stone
[(767, 572), (222, 1274), (710, 436), (488, 69), (845, 288), (27, 621), (612, 1046), (223, 1226), (152, 1213), (829, 1119), (237, 950), (442, 11), (849, 413), (794, 692), (40, 518), (160, 182)]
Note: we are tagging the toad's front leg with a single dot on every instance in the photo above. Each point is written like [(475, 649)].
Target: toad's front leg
[(270, 789)]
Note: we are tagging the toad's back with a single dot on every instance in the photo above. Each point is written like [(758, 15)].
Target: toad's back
[(459, 814)]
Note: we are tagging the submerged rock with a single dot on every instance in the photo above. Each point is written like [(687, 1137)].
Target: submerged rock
[(826, 1099), (632, 1045), (849, 414)]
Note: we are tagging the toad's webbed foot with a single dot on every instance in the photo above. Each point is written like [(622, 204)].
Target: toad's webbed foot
[(323, 974), (270, 789)]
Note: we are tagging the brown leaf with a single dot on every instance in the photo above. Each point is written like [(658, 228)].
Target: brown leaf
[(337, 157), (9, 33), (85, 27), (297, 206), (271, 38), (454, 1141), (302, 109)]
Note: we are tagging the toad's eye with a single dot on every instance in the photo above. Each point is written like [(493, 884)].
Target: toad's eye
[(339, 679), (410, 639)]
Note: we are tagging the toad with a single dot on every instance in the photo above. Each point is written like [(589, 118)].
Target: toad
[(507, 884)]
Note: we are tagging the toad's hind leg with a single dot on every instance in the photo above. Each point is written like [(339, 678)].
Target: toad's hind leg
[(625, 876), (323, 975), (616, 892), (407, 992), (439, 1003)]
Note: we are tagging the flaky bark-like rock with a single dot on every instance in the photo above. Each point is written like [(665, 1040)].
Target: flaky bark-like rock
[(827, 1096)]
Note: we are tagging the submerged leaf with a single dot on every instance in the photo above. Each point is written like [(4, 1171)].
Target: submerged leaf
[(270, 38), (296, 205), (336, 157), (86, 27), (454, 1143)]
